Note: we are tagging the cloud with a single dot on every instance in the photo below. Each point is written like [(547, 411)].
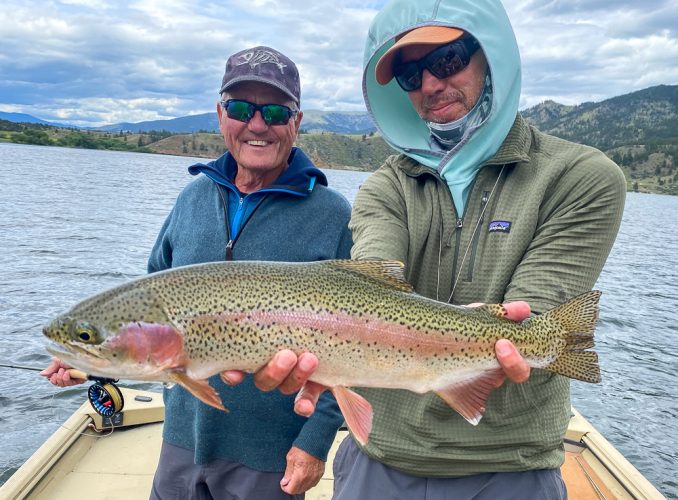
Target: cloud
[(93, 62)]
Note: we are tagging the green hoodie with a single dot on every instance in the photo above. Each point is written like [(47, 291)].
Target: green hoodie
[(540, 219)]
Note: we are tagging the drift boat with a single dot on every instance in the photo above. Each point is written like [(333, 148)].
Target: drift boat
[(115, 458)]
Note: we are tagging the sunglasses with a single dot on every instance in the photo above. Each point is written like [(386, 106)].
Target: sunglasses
[(442, 62), (243, 111)]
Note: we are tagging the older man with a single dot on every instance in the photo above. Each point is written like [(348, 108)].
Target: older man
[(262, 200)]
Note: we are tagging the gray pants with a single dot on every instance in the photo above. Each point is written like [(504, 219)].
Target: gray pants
[(177, 477), (358, 477)]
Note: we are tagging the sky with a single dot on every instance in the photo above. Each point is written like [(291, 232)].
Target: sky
[(97, 62)]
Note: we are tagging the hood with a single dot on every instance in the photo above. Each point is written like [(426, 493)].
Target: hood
[(299, 178), (392, 111)]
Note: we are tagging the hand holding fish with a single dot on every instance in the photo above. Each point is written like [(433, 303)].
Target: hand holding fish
[(290, 374)]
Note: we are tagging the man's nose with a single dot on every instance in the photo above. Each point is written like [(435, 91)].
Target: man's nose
[(430, 84), (257, 123)]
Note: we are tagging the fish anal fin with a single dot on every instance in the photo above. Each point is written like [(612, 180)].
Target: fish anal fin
[(387, 272), (357, 412), (201, 389), (469, 398)]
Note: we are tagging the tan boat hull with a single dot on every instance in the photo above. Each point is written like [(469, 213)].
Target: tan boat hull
[(78, 458)]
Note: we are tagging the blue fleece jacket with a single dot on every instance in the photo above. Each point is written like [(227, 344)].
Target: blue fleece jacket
[(297, 219)]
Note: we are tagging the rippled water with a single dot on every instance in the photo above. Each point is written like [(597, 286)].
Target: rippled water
[(75, 222)]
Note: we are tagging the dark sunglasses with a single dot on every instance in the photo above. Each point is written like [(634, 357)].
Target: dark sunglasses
[(243, 111), (442, 62)]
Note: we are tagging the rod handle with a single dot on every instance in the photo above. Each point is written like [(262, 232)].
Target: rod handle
[(77, 374)]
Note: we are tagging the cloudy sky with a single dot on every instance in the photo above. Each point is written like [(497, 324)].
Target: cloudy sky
[(96, 62)]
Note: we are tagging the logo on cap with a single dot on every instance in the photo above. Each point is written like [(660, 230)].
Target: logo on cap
[(257, 57)]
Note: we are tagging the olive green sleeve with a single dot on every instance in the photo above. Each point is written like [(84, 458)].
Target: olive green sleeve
[(379, 219), (578, 223)]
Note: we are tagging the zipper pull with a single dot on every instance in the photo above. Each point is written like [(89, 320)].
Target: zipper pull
[(460, 223), (229, 250)]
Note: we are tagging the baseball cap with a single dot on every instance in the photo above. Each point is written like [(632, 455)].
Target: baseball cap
[(265, 65)]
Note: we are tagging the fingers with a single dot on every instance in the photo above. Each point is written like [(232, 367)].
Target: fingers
[(306, 365), (62, 375), (303, 472), (62, 378), (286, 372), (307, 398), (232, 377), (517, 311), (51, 368), (515, 367)]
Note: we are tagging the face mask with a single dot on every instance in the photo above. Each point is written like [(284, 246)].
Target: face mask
[(448, 135)]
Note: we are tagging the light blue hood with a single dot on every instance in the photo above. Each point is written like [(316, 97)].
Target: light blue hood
[(392, 111)]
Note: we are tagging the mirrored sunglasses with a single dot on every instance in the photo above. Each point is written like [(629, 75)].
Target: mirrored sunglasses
[(442, 62), (243, 111)]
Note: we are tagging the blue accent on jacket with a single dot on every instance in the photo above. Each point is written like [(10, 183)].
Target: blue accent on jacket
[(299, 219)]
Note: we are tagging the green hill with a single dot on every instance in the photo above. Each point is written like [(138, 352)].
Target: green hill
[(639, 131)]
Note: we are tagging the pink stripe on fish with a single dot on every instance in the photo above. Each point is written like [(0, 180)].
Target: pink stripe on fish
[(365, 330)]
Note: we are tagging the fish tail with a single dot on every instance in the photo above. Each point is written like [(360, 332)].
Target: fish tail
[(578, 319)]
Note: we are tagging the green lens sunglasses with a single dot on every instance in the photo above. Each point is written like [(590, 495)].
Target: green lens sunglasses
[(243, 111)]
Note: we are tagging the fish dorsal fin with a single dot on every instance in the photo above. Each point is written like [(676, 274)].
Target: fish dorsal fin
[(387, 272)]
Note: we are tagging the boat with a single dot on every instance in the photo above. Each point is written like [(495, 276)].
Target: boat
[(91, 456)]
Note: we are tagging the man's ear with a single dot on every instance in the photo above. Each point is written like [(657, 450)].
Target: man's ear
[(297, 121)]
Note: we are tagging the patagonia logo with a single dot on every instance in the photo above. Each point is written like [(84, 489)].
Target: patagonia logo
[(499, 226)]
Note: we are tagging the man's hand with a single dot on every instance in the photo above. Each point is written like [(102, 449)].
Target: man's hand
[(60, 374), (289, 373), (515, 367), (302, 473)]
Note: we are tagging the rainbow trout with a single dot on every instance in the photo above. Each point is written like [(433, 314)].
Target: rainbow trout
[(362, 320)]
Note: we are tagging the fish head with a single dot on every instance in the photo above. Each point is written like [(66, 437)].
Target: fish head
[(118, 335)]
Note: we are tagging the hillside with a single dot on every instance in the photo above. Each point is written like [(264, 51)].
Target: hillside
[(354, 152), (639, 131)]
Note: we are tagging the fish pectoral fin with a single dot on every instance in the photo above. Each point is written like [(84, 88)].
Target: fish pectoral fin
[(468, 398), (357, 412), (201, 389)]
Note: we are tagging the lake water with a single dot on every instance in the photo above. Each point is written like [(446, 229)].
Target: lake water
[(75, 222)]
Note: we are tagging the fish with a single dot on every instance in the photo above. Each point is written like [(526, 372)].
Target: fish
[(362, 319)]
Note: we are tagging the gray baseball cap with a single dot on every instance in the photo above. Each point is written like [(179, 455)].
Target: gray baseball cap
[(265, 65)]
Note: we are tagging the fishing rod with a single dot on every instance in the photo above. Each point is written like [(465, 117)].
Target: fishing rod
[(104, 396)]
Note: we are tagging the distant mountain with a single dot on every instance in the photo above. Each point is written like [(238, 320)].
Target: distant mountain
[(338, 122), (24, 118), (205, 122), (648, 116)]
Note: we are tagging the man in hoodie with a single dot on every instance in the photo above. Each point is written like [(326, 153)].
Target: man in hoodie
[(262, 200), (482, 207)]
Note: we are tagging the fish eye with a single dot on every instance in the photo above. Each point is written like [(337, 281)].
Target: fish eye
[(84, 332)]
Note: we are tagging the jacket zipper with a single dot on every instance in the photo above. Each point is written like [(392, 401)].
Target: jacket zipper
[(231, 240), (476, 236)]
